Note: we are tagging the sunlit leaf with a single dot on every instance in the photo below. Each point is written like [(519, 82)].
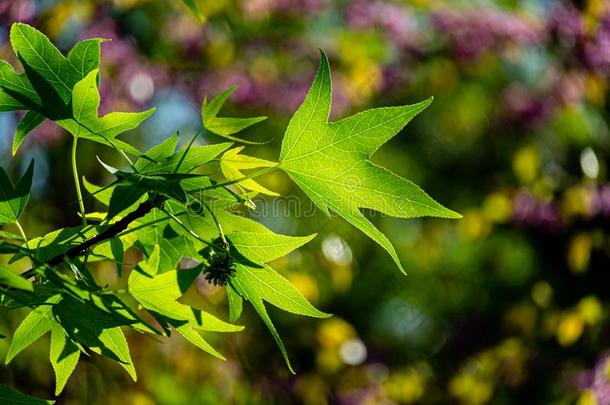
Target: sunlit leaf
[(330, 161)]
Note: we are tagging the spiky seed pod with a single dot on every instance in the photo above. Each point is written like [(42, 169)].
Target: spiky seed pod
[(221, 266)]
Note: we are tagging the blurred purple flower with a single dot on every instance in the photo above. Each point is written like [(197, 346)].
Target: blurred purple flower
[(398, 21), (530, 212), (17, 10), (597, 48), (600, 201), (521, 105), (565, 22), (262, 8), (597, 380), (471, 33)]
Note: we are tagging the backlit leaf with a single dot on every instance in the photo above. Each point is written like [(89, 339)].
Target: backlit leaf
[(330, 161)]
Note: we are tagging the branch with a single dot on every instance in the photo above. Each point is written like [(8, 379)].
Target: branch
[(109, 233)]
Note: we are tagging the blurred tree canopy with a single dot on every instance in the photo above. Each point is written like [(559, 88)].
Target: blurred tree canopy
[(508, 305)]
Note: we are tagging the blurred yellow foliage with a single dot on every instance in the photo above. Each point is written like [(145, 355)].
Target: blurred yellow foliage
[(334, 331), (590, 309), (364, 80), (497, 207), (65, 12), (474, 225), (542, 294), (220, 52), (306, 284), (522, 318), (577, 201), (443, 74), (526, 164), (471, 389), (586, 397), (579, 252), (570, 328), (312, 389), (596, 90), (405, 387)]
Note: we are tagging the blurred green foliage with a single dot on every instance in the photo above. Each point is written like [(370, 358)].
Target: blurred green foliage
[(507, 305)]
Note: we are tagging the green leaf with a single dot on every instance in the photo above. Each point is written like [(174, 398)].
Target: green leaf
[(192, 5), (10, 279), (157, 153), (58, 242), (30, 121), (195, 157), (85, 55), (232, 164), (35, 49), (102, 194), (174, 246), (38, 322), (85, 122), (330, 161), (10, 236), (13, 199), (17, 89), (95, 329), (64, 356), (253, 245), (225, 126), (8, 103), (236, 304), (123, 197), (158, 294), (266, 284), (10, 396)]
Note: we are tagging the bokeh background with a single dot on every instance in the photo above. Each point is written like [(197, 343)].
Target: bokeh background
[(508, 305)]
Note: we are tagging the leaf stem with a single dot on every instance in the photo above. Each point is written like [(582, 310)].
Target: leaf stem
[(186, 150), (250, 176), (183, 226), (81, 204), (220, 231), (25, 238)]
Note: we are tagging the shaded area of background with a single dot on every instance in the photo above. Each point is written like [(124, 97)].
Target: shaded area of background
[(507, 305)]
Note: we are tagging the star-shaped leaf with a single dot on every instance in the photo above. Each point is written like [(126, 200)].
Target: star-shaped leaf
[(330, 161)]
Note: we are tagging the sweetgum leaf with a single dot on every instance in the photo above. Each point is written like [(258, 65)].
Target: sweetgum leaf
[(13, 199), (330, 161), (38, 322), (174, 246), (17, 89), (64, 356), (261, 283), (30, 121), (253, 245), (8, 103), (158, 293), (34, 48), (85, 55), (192, 6), (95, 329), (46, 87), (195, 157), (225, 126), (85, 122), (9, 395), (232, 163), (10, 279)]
